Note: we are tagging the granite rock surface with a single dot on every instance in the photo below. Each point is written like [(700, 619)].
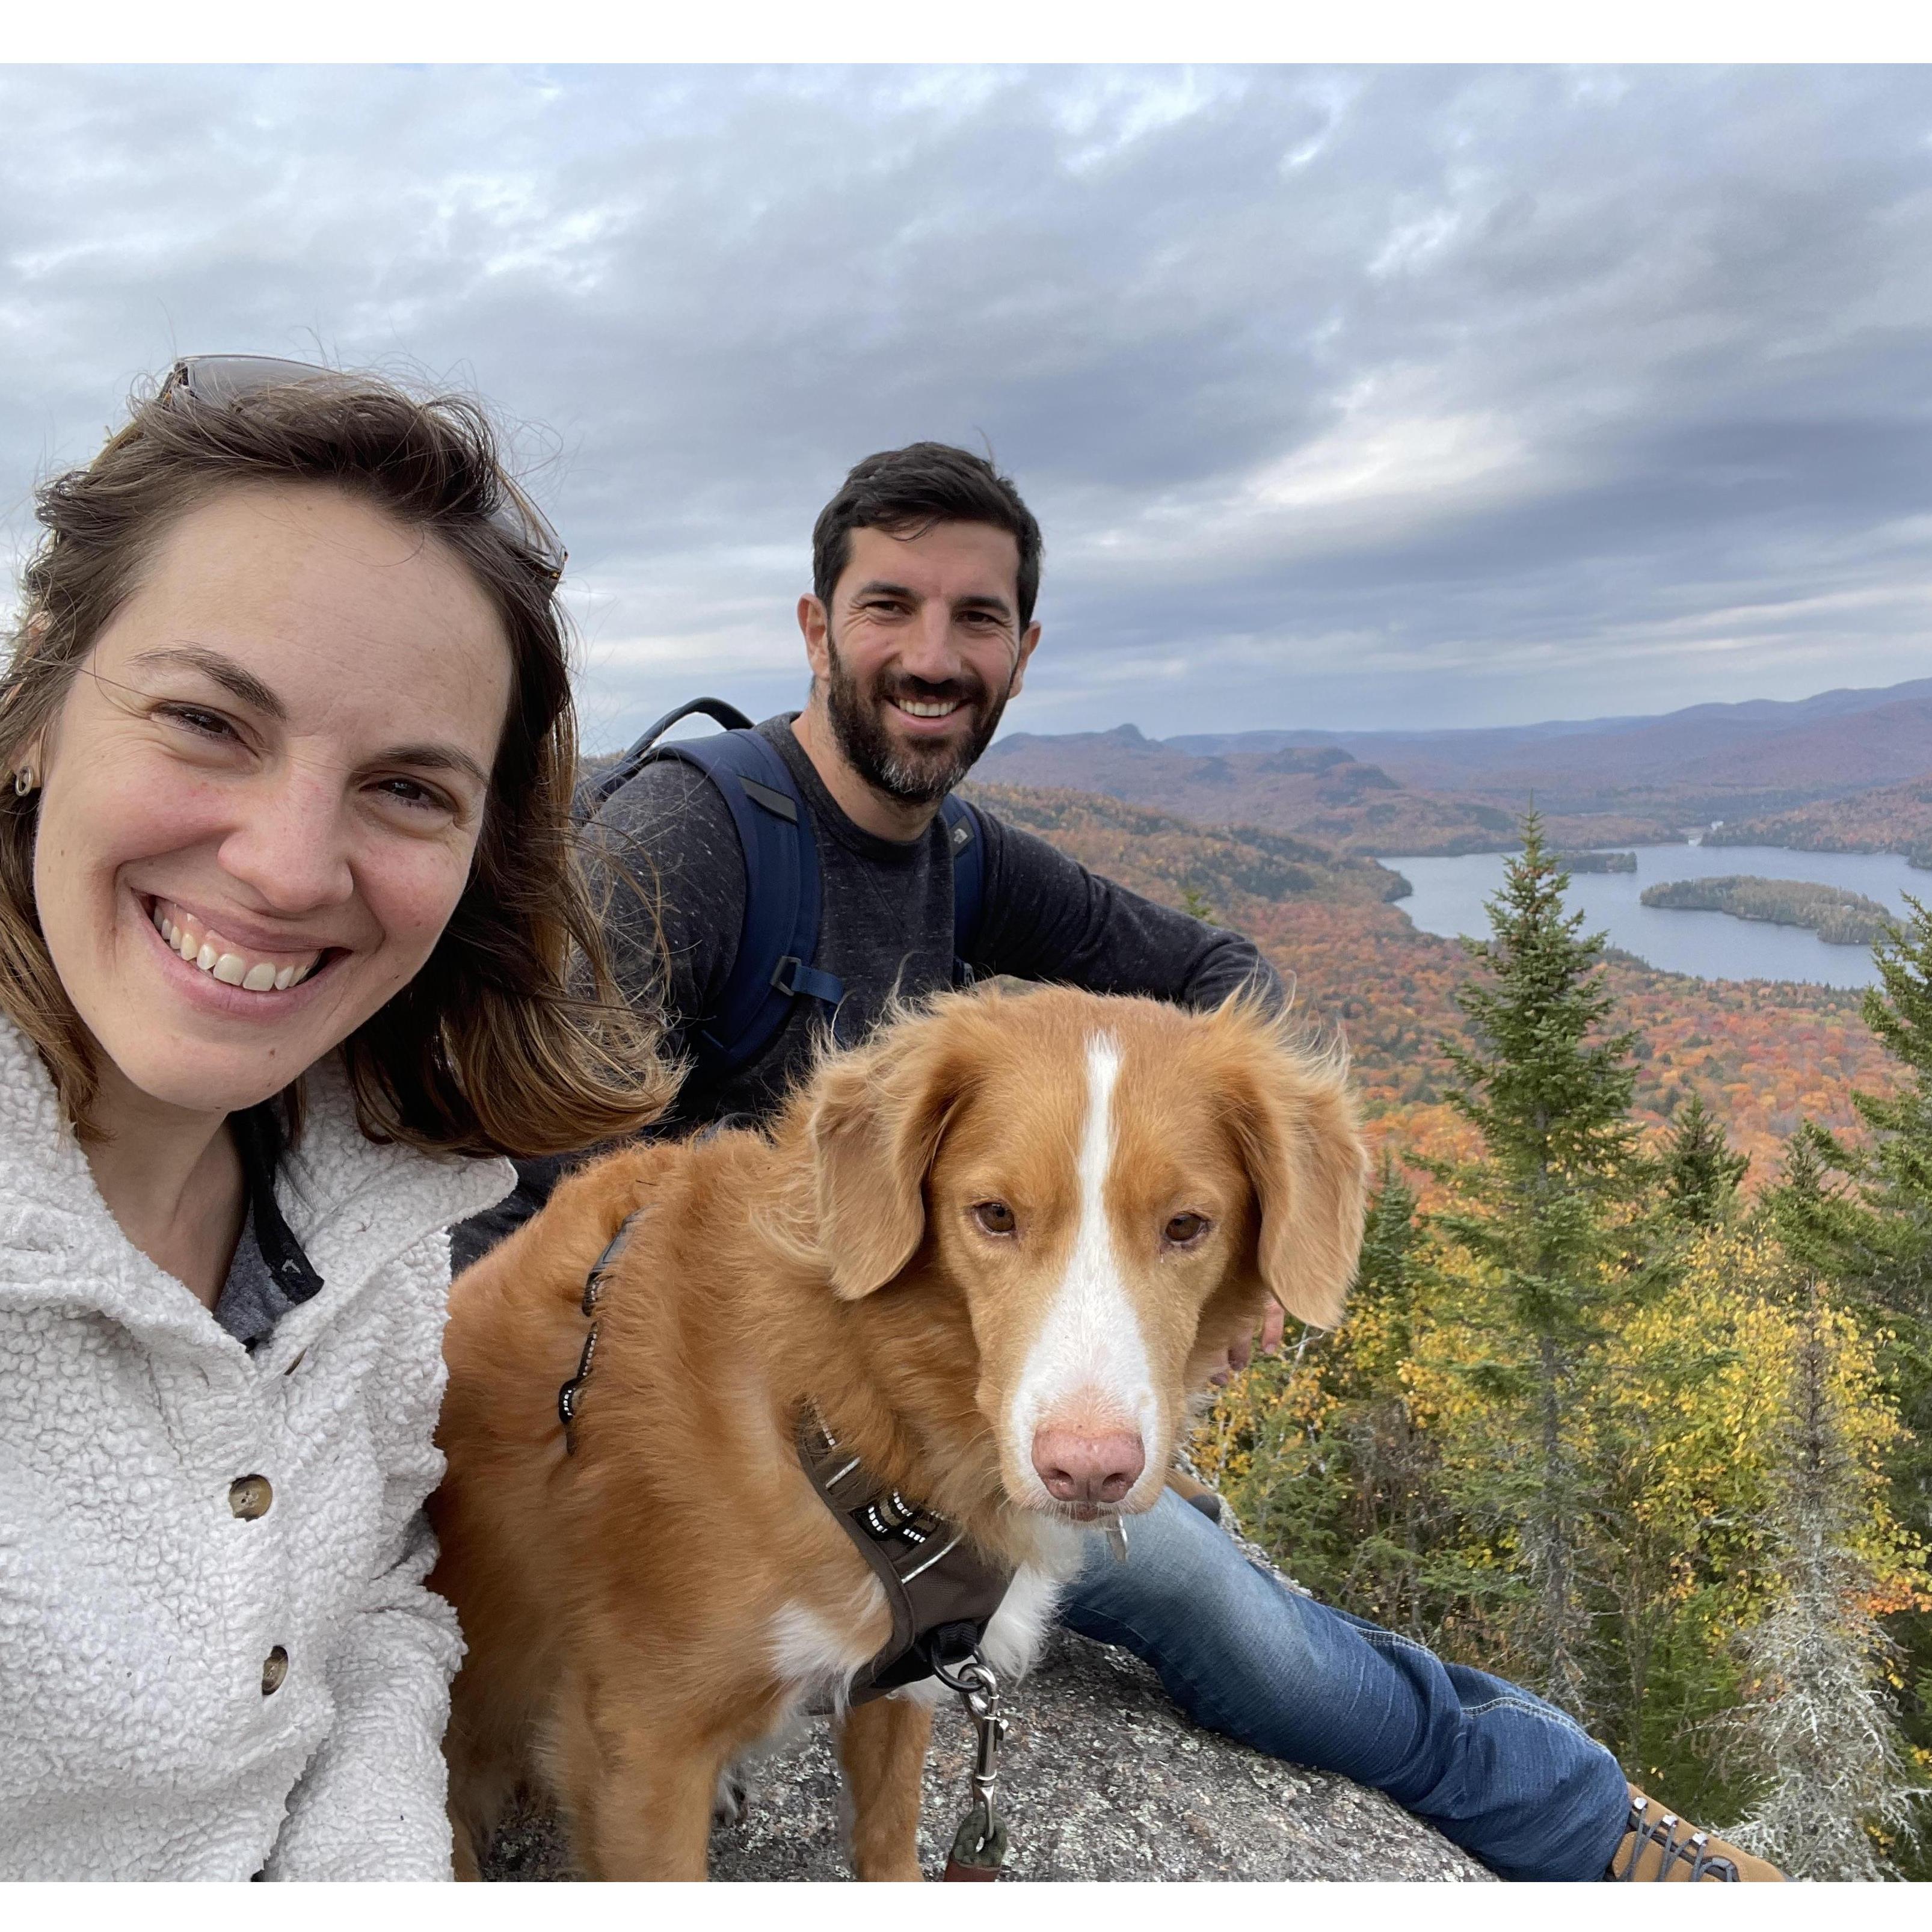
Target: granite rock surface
[(1102, 1778)]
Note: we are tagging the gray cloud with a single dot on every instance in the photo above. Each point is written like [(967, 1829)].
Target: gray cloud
[(1398, 396)]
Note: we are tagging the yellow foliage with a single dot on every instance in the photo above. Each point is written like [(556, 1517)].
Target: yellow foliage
[(1681, 1431)]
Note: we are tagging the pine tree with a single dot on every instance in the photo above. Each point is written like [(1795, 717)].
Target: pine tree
[(1387, 1273), (1701, 1174), (1550, 1092), (1391, 1512), (1860, 1217), (1863, 1215), (1818, 1718)]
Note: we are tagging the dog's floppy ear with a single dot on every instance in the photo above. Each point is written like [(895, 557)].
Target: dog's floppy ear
[(1295, 1123), (875, 1126)]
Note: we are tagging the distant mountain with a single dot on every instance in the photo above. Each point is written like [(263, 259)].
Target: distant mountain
[(1888, 818), (1226, 869), (1601, 781), (1467, 752), (1323, 795)]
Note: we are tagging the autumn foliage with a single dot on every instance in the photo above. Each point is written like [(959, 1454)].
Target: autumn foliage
[(1625, 1405)]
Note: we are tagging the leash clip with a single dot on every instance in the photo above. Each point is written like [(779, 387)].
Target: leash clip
[(980, 1845)]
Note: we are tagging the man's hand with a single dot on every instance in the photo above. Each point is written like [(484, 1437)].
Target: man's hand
[(1274, 1324)]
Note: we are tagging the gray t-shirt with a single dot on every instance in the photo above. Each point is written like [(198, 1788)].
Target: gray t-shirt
[(251, 1303), (269, 1274)]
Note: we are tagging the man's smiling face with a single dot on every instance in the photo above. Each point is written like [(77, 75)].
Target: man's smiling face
[(919, 653)]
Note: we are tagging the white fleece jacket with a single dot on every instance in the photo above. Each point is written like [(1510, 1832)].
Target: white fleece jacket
[(139, 1737)]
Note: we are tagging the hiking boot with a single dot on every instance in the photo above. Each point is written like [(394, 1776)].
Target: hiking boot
[(1658, 1844)]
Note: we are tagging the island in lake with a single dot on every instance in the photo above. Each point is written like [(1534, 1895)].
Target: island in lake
[(1839, 918), (1596, 862)]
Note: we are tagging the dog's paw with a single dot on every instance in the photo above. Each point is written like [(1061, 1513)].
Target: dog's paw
[(732, 1800)]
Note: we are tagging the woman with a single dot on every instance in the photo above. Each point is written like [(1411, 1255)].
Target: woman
[(286, 915)]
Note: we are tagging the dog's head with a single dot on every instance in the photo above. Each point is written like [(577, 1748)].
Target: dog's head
[(1113, 1186)]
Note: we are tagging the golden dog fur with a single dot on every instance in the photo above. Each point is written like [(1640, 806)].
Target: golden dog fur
[(641, 1612)]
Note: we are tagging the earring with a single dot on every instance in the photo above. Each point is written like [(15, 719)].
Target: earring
[(24, 781)]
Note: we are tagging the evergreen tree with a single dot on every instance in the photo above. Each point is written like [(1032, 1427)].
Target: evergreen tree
[(1860, 1217), (1550, 1092), (1863, 1215), (1701, 1174), (1388, 1273), (1818, 1718), (1390, 1511)]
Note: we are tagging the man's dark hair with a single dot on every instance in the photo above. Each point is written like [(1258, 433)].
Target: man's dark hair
[(903, 491)]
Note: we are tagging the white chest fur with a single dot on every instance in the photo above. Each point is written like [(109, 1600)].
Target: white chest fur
[(817, 1657)]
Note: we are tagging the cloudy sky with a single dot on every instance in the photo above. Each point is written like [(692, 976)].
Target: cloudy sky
[(1347, 397)]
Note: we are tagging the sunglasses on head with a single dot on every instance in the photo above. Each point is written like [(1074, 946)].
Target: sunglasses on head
[(217, 381)]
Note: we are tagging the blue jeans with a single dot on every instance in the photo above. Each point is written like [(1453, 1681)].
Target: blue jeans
[(1509, 1778)]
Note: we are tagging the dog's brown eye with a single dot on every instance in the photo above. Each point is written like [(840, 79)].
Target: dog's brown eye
[(995, 1216), (1184, 1230)]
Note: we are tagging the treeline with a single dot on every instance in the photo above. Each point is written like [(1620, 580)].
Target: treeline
[(1598, 1421), (1838, 917), (1597, 862)]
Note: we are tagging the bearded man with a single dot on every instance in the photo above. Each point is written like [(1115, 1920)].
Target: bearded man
[(919, 628)]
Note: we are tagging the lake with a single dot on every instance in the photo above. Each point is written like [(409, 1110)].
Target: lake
[(1450, 892)]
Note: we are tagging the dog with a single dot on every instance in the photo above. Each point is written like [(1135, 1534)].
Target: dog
[(995, 1251)]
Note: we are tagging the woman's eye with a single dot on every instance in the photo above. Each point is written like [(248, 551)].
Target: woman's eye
[(994, 1217), (407, 791), (205, 724), (1184, 1230)]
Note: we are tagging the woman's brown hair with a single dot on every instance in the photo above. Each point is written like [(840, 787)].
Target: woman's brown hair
[(513, 1038)]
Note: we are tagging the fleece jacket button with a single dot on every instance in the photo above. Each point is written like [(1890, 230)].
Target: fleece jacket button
[(275, 1668), (250, 1496)]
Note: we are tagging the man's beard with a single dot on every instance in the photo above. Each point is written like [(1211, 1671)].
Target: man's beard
[(914, 774)]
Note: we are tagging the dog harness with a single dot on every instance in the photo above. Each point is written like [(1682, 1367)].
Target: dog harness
[(943, 1593)]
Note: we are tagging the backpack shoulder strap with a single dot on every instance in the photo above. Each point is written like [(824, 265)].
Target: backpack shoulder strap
[(968, 839), (780, 934), (615, 777)]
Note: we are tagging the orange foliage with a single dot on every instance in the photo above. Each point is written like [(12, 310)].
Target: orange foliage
[(1763, 1054)]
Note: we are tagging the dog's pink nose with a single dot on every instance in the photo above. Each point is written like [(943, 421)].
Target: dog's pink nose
[(1077, 1467)]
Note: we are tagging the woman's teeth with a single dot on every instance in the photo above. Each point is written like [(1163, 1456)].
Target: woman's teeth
[(222, 960)]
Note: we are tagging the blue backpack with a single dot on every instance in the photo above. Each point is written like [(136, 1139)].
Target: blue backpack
[(782, 892)]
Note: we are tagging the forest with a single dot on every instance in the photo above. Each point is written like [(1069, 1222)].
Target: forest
[(1632, 1403), (1838, 917), (1601, 1421), (1598, 862)]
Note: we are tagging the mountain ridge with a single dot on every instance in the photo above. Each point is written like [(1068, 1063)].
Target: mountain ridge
[(1600, 781)]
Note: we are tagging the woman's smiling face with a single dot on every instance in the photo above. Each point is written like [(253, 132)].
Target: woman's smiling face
[(263, 791)]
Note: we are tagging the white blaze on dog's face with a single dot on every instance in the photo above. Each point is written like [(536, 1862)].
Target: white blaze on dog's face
[(1115, 1186), (1084, 1408)]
